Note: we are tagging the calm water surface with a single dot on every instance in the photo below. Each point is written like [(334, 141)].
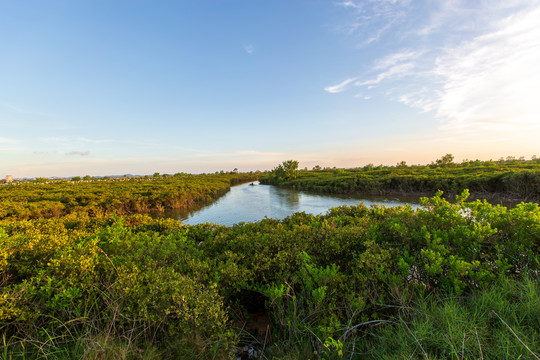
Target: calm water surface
[(250, 203)]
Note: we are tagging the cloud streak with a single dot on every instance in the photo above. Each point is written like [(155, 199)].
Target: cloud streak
[(492, 80), (483, 77), (334, 89), (79, 153)]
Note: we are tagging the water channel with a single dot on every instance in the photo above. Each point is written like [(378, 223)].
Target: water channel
[(250, 203)]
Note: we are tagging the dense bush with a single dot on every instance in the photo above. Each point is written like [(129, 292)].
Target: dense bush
[(513, 179), (133, 286), (31, 200)]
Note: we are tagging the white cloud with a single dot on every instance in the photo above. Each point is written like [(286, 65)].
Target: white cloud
[(395, 72), (350, 4), (482, 75), (493, 80), (372, 19), (393, 59), (339, 87)]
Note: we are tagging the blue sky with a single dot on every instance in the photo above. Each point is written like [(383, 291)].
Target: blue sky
[(112, 87)]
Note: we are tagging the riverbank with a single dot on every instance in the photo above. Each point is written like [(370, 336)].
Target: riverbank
[(499, 182)]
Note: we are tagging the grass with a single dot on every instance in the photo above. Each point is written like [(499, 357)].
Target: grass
[(498, 323)]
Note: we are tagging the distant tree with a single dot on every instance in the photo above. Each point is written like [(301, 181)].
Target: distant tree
[(401, 164), (291, 168), (87, 177), (235, 170), (317, 167), (156, 175), (286, 170), (76, 178), (446, 160)]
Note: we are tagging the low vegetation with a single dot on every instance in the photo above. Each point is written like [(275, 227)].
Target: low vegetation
[(508, 179), (453, 280), (99, 197)]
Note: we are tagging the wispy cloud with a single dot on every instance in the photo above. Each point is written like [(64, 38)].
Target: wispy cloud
[(339, 87), (349, 4), (396, 58), (372, 19), (493, 80), (79, 153), (394, 72), (481, 76)]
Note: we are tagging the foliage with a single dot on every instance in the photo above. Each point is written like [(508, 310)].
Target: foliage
[(498, 323), (287, 170), (446, 160), (433, 275), (27, 200), (136, 279), (510, 179)]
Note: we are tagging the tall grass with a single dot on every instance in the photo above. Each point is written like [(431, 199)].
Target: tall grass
[(499, 323)]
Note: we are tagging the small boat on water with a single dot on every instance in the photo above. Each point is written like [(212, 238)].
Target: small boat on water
[(252, 184)]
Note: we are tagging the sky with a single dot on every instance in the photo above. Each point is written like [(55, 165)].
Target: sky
[(100, 87)]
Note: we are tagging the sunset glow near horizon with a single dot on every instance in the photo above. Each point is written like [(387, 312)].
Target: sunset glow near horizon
[(110, 88)]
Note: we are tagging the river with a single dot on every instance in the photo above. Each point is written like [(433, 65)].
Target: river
[(250, 203)]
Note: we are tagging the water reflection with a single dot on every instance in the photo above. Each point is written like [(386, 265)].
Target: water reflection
[(249, 203), (284, 198)]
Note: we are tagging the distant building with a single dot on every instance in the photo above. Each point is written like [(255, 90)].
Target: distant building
[(9, 178)]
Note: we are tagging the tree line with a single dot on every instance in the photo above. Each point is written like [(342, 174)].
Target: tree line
[(29, 200), (512, 179)]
